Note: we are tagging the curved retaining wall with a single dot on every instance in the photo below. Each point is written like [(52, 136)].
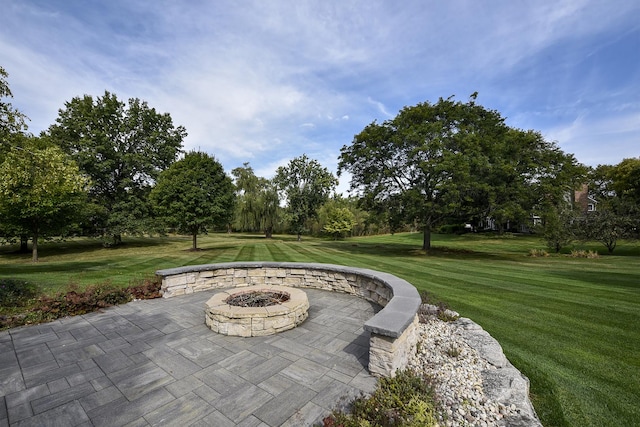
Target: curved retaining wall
[(394, 329)]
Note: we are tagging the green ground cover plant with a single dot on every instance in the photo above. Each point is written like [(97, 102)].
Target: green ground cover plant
[(405, 400), (569, 324)]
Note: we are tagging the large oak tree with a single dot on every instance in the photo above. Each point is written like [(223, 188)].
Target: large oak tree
[(435, 162), (122, 148)]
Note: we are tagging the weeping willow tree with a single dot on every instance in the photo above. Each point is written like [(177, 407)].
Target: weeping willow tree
[(258, 202)]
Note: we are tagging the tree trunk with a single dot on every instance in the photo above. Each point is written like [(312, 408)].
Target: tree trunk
[(194, 237), (426, 238), (24, 244), (34, 247), (611, 245), (299, 236), (268, 232)]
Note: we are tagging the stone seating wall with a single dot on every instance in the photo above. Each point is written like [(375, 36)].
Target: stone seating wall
[(393, 330)]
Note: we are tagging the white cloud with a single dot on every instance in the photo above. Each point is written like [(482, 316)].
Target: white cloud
[(259, 81), (600, 140), (381, 107)]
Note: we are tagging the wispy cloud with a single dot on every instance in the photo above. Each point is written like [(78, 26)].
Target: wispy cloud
[(268, 81), (381, 107), (600, 140)]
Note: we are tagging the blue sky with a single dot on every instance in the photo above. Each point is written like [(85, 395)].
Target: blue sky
[(266, 81)]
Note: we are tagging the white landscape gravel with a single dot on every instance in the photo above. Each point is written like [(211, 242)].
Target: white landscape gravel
[(461, 375)]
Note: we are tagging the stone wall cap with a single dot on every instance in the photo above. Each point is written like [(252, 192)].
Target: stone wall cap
[(394, 318), (251, 264)]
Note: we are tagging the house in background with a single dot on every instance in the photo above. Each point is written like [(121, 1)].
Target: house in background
[(585, 202), (579, 198)]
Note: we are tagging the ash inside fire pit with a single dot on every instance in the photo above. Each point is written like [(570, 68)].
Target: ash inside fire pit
[(257, 299)]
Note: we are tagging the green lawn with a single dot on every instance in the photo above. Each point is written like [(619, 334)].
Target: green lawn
[(571, 325)]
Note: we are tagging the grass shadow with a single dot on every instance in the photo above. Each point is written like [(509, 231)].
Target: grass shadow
[(405, 250), (13, 270), (80, 246), (262, 237), (206, 249)]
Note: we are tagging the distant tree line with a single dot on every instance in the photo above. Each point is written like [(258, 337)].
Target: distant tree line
[(616, 215), (108, 168)]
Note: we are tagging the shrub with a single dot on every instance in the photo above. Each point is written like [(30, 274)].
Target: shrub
[(584, 254), (452, 229), (37, 308), (148, 288), (454, 351), (538, 253), (73, 302), (17, 293), (405, 400)]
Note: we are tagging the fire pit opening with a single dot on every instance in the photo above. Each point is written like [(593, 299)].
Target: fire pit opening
[(257, 298), (256, 310)]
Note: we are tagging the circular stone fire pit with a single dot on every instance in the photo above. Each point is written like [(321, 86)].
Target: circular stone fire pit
[(254, 311)]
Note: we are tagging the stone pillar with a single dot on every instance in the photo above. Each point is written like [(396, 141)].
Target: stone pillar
[(388, 354)]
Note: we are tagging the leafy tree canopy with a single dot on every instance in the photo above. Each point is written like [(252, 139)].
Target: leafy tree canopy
[(12, 121), (604, 226), (626, 180), (42, 190), (194, 194), (524, 175), (122, 148), (558, 225), (621, 182), (616, 189), (340, 221)]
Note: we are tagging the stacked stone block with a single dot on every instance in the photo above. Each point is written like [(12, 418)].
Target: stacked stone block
[(256, 321)]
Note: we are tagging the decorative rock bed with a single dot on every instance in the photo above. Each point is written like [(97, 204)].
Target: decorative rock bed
[(224, 317), (393, 330)]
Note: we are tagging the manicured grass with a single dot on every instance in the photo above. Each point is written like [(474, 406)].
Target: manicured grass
[(570, 324)]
